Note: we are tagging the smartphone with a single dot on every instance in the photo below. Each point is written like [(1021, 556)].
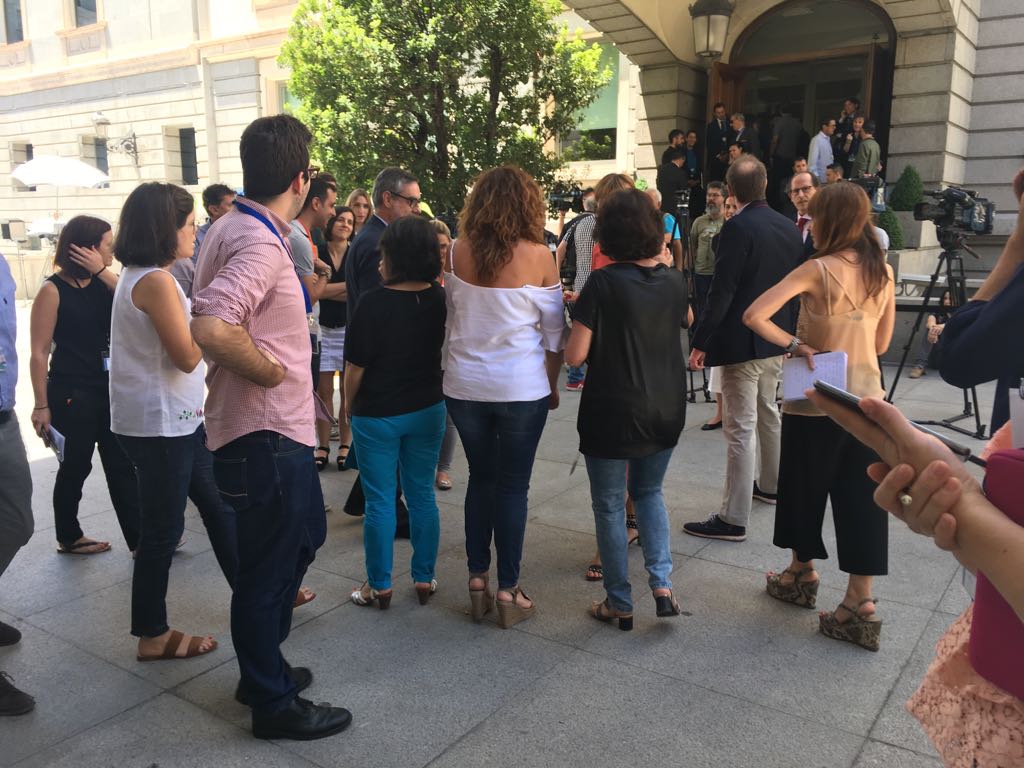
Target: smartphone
[(851, 401)]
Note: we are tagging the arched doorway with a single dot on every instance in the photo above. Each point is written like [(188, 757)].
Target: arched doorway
[(811, 55)]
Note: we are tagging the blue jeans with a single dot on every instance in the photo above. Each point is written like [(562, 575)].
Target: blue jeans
[(169, 470), (272, 484), (576, 374), (500, 440), (408, 443), (608, 481)]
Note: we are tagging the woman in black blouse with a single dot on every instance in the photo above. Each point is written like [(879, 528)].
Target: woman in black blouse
[(71, 318), (333, 315), (626, 326)]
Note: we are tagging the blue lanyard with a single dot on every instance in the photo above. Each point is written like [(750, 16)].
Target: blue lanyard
[(267, 223)]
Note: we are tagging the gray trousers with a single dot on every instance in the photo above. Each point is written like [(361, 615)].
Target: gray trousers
[(752, 427), (16, 523)]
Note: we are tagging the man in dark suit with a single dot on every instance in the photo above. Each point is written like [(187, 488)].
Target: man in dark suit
[(718, 137), (744, 135), (758, 247), (803, 187), (672, 177), (396, 193)]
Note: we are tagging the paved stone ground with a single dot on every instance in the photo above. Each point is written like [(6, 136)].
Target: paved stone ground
[(741, 680)]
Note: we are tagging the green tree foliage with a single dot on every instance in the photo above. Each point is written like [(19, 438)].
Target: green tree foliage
[(908, 190), (444, 88), (887, 220)]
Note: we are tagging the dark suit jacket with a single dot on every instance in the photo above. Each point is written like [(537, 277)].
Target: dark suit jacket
[(717, 139), (671, 179), (809, 250), (362, 260), (757, 248), (748, 140)]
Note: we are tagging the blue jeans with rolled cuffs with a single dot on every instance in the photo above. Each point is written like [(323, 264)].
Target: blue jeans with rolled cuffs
[(500, 440), (608, 483), (408, 443), (272, 484)]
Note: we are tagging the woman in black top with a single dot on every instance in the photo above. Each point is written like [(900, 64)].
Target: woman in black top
[(393, 397), (71, 317), (626, 327), (333, 313)]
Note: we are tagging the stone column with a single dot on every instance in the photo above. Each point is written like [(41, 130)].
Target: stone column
[(671, 96)]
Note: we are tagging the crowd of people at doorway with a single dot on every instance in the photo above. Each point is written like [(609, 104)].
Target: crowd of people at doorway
[(843, 147), (126, 374)]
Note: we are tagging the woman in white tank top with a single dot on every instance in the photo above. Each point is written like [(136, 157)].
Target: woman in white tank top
[(156, 409), (506, 333)]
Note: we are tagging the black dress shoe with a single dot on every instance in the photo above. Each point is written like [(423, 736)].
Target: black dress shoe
[(302, 720), (13, 701), (302, 676), (8, 635)]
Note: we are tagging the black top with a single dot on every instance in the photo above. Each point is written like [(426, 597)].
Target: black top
[(671, 178), (333, 312), (362, 260), (634, 404), (757, 248), (982, 341), (396, 336), (82, 335)]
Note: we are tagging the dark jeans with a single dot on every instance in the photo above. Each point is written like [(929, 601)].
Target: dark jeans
[(169, 470), (500, 440), (273, 486), (83, 417)]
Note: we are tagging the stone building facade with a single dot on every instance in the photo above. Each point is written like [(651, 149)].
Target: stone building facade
[(184, 77)]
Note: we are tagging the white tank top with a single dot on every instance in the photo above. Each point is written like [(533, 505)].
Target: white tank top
[(497, 338), (149, 396)]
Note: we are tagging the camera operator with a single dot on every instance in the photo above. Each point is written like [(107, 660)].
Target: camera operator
[(586, 199), (984, 340)]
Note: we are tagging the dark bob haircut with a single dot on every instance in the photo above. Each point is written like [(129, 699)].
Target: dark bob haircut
[(329, 229), (274, 150), (85, 232), (147, 232), (410, 251), (629, 227)]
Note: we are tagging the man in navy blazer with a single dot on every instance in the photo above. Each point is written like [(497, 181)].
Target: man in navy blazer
[(757, 248)]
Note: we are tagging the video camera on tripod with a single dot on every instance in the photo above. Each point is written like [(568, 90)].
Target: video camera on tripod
[(958, 209), (567, 198)]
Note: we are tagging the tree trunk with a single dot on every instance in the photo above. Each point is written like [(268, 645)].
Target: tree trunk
[(494, 94)]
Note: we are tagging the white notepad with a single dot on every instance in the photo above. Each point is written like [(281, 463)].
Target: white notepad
[(829, 367)]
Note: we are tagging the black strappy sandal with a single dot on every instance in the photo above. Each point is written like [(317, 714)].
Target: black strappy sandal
[(321, 461), (342, 457)]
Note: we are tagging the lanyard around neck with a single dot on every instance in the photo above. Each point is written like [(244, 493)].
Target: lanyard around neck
[(269, 225)]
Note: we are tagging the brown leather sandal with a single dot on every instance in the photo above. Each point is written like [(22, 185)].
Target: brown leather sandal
[(170, 651), (865, 631), (802, 593)]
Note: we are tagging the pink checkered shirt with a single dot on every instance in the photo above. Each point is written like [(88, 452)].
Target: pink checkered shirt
[(245, 276)]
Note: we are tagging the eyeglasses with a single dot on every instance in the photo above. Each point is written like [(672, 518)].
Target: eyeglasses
[(413, 201), (310, 173), (805, 190)]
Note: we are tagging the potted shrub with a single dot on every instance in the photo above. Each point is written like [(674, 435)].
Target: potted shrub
[(907, 192)]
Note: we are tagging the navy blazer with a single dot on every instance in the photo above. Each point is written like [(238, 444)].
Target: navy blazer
[(362, 260), (757, 248)]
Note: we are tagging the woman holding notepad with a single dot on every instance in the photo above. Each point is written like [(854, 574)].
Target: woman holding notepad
[(847, 305)]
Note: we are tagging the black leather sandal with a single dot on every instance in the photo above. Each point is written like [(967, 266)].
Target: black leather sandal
[(321, 461), (342, 457)]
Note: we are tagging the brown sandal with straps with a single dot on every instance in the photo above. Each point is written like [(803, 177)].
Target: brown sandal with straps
[(802, 593), (865, 631), (170, 651)]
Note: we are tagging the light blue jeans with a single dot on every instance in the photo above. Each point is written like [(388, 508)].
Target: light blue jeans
[(608, 482), (409, 443)]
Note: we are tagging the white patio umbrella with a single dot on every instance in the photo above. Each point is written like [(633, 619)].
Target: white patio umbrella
[(58, 172)]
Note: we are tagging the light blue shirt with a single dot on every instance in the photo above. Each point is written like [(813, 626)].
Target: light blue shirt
[(820, 156), (8, 334)]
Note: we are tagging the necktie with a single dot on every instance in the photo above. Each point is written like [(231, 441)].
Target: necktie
[(801, 224)]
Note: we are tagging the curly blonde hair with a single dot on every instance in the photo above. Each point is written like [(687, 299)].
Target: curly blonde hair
[(504, 206)]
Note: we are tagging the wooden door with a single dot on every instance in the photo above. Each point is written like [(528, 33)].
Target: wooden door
[(878, 95), (726, 86)]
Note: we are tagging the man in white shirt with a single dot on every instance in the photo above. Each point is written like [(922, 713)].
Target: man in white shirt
[(820, 156)]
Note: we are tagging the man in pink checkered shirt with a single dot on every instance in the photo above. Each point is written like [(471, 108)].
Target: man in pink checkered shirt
[(250, 320)]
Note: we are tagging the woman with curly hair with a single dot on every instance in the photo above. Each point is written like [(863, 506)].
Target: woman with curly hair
[(504, 314)]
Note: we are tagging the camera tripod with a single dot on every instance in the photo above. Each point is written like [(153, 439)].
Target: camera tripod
[(951, 265), (682, 220)]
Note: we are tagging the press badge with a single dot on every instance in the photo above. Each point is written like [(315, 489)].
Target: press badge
[(1017, 416), (105, 358)]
